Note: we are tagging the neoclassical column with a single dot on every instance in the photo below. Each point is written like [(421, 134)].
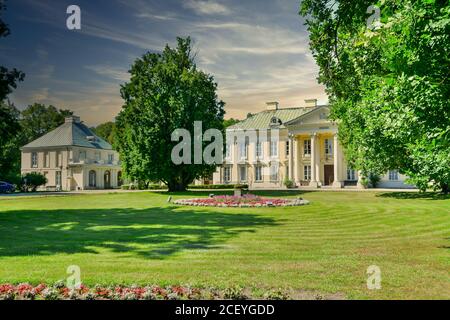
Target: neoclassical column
[(296, 162), (314, 159), (235, 156), (291, 157), (337, 183)]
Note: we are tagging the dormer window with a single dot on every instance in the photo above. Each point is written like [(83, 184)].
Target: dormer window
[(90, 138), (275, 121)]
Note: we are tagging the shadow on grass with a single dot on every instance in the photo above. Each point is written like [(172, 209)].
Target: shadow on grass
[(415, 195), (153, 233)]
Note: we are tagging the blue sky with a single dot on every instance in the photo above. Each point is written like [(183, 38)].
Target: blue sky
[(257, 50)]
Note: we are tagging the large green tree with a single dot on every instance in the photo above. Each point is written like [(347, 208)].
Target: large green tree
[(388, 82), (10, 139), (106, 131), (8, 78), (230, 122), (38, 119), (9, 122), (166, 92)]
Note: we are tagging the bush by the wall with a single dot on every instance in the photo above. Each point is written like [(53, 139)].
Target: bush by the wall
[(31, 181), (374, 180)]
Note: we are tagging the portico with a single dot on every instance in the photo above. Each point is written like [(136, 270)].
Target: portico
[(316, 159), (307, 152)]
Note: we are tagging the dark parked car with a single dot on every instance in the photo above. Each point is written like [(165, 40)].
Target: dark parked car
[(6, 187)]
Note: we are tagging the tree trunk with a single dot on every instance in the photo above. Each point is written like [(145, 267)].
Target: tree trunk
[(176, 187)]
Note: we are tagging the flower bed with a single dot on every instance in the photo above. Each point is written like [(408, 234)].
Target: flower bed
[(248, 200), (59, 291)]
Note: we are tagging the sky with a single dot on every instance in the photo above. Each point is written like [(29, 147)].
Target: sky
[(257, 51)]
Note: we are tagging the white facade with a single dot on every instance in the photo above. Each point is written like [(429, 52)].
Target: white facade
[(308, 153), (67, 166)]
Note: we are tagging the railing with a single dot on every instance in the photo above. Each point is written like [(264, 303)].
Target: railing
[(91, 161)]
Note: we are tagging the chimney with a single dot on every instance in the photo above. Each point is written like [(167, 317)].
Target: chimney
[(311, 103), (272, 105), (72, 119)]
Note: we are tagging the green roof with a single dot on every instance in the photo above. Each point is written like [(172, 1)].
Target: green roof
[(263, 119), (70, 134)]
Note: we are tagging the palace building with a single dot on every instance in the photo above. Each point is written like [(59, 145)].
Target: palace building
[(72, 157), (306, 152)]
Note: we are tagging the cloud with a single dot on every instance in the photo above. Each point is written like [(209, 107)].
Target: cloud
[(40, 95), (255, 53), (111, 72), (206, 7), (154, 16)]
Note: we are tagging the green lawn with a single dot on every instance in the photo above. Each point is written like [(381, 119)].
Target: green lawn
[(323, 248)]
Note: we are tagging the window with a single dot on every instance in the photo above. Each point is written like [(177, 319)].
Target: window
[(92, 179), (328, 147), (258, 149), (97, 156), (228, 151), (307, 173), (82, 156), (393, 175), (110, 158), (243, 173), (287, 148), (34, 160), (243, 150), (258, 173), (58, 157), (273, 148), (227, 174), (46, 159), (58, 179), (274, 172), (351, 175), (323, 116), (307, 147)]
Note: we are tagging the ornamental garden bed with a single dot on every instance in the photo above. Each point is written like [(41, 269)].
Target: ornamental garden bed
[(247, 200), (59, 291)]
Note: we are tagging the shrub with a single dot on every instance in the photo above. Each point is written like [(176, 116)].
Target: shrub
[(156, 187), (241, 186), (31, 181), (364, 182), (142, 186), (288, 183), (374, 179), (234, 293), (276, 295)]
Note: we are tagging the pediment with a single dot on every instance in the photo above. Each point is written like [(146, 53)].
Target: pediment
[(317, 116)]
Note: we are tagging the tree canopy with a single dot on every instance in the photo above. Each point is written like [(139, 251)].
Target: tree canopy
[(38, 119), (166, 92), (106, 131), (8, 78), (229, 122), (388, 82), (9, 115)]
